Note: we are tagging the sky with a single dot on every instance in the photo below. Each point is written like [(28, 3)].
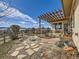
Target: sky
[(25, 12)]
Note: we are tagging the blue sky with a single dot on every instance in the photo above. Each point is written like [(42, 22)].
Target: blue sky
[(32, 8), (36, 7)]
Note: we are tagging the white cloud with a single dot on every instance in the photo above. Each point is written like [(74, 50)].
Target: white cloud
[(3, 5), (14, 13), (2, 22), (36, 25), (22, 22)]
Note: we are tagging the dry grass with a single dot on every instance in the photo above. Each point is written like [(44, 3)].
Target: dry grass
[(4, 48)]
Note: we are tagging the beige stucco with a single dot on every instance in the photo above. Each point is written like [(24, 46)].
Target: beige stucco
[(76, 25)]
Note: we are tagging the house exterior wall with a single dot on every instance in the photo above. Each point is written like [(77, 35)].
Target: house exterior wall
[(76, 25)]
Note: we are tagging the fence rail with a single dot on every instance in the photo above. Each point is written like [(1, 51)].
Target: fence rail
[(4, 38)]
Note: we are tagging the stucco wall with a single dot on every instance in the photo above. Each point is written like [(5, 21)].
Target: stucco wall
[(77, 16), (76, 25)]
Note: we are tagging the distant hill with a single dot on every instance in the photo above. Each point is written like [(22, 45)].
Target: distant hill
[(3, 28)]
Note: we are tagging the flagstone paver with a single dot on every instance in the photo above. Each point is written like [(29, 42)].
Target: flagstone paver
[(15, 53), (26, 47), (41, 43), (35, 46), (24, 43), (36, 49), (30, 51), (19, 48), (21, 56), (32, 44)]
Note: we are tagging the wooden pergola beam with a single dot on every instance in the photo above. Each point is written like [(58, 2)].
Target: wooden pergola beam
[(53, 16), (64, 19)]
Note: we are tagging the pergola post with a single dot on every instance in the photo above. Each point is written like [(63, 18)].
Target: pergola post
[(62, 29), (55, 26), (40, 26), (4, 36)]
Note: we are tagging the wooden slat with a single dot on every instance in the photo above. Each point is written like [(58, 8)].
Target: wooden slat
[(57, 14), (53, 16), (61, 13)]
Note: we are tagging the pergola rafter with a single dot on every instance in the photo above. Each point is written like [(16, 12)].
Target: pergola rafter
[(55, 16)]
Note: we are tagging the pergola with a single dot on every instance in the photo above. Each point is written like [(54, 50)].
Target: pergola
[(59, 16), (55, 18), (52, 17)]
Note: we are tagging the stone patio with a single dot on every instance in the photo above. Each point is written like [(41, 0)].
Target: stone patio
[(25, 50)]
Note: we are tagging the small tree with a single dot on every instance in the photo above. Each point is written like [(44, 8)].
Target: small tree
[(33, 30), (14, 30)]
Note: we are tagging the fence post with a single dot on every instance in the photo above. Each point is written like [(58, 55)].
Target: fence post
[(4, 36)]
